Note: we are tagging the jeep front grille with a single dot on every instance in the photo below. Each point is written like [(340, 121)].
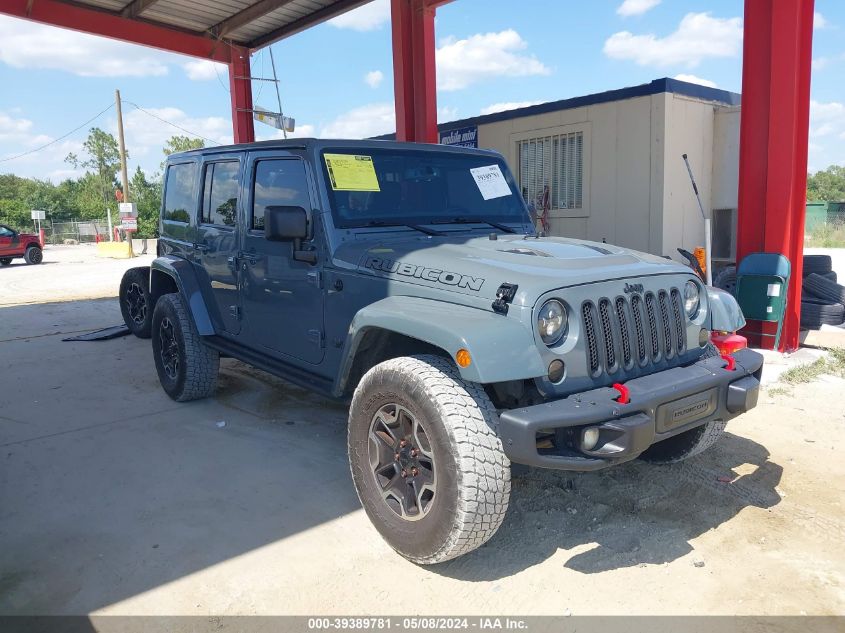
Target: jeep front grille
[(643, 329)]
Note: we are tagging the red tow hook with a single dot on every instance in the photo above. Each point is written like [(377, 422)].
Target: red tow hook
[(624, 393), (730, 361)]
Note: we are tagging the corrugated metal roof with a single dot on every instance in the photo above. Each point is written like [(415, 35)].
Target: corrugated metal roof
[(251, 23)]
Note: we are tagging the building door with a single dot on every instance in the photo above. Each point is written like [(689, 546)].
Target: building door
[(282, 298)]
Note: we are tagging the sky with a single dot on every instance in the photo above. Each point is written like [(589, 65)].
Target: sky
[(336, 78)]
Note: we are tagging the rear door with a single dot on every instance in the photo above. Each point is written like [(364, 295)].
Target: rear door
[(282, 297), (217, 239)]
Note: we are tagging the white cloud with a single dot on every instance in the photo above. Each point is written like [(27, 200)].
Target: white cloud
[(483, 56), (827, 129), (28, 45), (205, 70), (636, 7), (374, 78), (507, 105), (12, 128), (362, 122), (819, 21), (446, 113), (699, 36), (694, 79), (369, 17), (146, 135)]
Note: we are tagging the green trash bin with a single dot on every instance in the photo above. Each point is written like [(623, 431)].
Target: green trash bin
[(762, 281)]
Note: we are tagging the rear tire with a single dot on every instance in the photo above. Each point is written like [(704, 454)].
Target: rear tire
[(135, 301), (5, 261), (187, 368), (33, 255), (685, 445), (454, 493)]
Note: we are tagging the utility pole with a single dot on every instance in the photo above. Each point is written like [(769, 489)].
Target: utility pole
[(124, 176)]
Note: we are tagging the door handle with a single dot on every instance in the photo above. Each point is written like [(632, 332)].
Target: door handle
[(249, 258), (201, 247), (232, 261)]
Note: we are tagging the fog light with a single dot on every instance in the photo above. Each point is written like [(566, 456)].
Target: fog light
[(703, 337), (556, 370), (589, 438)]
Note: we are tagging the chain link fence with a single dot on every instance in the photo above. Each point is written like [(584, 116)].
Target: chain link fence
[(77, 232)]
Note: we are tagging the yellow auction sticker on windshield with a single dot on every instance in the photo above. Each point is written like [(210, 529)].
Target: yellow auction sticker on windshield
[(352, 172)]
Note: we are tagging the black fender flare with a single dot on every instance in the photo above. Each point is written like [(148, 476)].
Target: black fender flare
[(166, 271)]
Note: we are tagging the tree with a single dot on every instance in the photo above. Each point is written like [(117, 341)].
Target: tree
[(102, 161), (147, 195), (177, 144), (827, 185)]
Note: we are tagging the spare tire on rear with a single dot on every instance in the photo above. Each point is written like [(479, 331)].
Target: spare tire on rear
[(823, 288), (135, 302)]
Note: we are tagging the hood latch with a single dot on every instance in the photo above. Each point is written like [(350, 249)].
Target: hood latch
[(504, 295)]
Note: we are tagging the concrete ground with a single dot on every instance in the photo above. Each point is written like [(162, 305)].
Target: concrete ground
[(116, 500)]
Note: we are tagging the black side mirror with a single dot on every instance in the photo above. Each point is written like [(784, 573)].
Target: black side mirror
[(285, 224), (289, 224)]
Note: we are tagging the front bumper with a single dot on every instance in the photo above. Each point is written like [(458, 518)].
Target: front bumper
[(661, 405)]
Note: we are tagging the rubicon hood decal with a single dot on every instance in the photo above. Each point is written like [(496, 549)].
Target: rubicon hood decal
[(421, 272)]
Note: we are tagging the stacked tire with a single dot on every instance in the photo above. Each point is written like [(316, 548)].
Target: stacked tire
[(822, 298)]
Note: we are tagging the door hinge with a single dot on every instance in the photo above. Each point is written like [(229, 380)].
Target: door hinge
[(316, 278), (317, 337), (235, 311)]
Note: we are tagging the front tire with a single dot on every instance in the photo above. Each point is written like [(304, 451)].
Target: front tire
[(135, 301), (415, 416), (685, 445), (187, 368), (33, 255)]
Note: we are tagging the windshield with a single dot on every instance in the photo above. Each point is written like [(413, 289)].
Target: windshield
[(385, 187)]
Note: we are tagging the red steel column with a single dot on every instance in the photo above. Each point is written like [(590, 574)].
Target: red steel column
[(240, 86), (774, 129), (414, 75)]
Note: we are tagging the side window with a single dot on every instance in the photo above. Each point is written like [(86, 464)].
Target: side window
[(278, 183), (179, 192), (220, 194), (4, 232)]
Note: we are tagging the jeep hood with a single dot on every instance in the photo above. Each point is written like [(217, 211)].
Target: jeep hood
[(477, 266)]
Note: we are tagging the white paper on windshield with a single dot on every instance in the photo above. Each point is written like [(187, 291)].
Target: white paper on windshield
[(491, 182)]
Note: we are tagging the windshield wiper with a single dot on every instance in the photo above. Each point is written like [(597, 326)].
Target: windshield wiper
[(495, 225), (416, 227)]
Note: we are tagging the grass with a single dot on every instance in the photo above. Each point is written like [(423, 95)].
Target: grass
[(827, 235), (833, 364)]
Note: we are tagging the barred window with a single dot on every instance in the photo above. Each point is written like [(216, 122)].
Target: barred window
[(556, 162)]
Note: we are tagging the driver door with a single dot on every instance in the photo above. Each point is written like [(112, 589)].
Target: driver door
[(282, 297)]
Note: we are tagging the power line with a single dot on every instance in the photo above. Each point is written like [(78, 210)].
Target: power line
[(61, 138), (178, 127)]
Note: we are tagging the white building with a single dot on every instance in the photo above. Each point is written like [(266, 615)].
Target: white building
[(613, 162)]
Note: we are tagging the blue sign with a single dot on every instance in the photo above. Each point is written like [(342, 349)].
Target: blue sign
[(460, 137)]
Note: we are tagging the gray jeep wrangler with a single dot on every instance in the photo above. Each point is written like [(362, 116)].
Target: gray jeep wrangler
[(409, 280)]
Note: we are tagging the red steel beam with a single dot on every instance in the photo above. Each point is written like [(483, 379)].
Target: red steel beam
[(240, 87), (96, 22), (414, 73), (774, 130)]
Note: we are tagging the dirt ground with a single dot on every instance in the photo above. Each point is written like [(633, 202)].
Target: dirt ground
[(116, 500)]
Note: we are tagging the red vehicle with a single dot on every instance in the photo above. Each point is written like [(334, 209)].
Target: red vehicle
[(14, 244)]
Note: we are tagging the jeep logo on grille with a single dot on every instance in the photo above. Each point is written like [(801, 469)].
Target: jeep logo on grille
[(629, 288)]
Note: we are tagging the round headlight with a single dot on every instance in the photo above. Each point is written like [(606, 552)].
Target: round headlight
[(691, 299), (551, 321)]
